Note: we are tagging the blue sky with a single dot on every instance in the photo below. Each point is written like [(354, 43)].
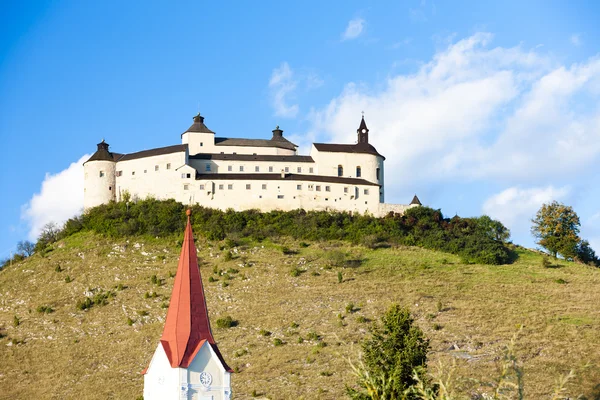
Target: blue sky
[(479, 107)]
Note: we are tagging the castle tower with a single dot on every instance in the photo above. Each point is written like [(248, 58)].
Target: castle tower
[(187, 363), (198, 137), (99, 177)]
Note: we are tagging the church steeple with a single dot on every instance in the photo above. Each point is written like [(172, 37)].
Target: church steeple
[(363, 131), (187, 326)]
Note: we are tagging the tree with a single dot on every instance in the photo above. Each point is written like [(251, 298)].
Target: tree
[(586, 254), (395, 352), (48, 235), (26, 248), (556, 226)]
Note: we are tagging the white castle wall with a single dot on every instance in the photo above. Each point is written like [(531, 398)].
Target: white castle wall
[(140, 177), (98, 183), (249, 167), (285, 195)]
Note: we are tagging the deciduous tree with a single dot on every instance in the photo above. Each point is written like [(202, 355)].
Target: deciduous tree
[(556, 226)]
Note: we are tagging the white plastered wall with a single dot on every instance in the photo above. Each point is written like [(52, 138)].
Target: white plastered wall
[(161, 381), (140, 177), (284, 195), (249, 167), (207, 361)]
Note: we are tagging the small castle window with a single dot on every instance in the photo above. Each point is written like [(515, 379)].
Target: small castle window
[(366, 191), (230, 187), (201, 144), (186, 186), (340, 170), (119, 173), (201, 187), (229, 168), (257, 169), (132, 172), (310, 170), (377, 173), (287, 169), (310, 187), (156, 167), (184, 175), (168, 166), (270, 169), (101, 174), (248, 186), (280, 196), (299, 170), (318, 188), (328, 188), (298, 187), (220, 187), (358, 172), (264, 186), (145, 171), (241, 168), (207, 167), (346, 189), (110, 188)]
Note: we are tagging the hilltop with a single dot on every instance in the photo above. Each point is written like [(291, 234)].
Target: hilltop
[(282, 288)]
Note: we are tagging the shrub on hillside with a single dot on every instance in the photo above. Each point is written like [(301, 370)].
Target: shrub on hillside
[(476, 240)]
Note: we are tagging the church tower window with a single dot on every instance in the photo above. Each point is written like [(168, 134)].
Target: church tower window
[(358, 172), (340, 170)]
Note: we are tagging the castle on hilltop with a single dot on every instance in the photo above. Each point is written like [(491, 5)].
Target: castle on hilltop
[(242, 174)]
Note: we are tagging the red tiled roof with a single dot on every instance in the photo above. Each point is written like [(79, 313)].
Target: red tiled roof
[(187, 326)]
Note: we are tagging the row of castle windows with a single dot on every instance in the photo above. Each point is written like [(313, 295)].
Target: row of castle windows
[(317, 188), (358, 171), (257, 169)]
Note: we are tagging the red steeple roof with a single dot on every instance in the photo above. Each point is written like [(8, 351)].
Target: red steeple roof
[(187, 326)]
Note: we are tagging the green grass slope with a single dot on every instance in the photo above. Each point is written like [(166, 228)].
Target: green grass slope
[(468, 311)]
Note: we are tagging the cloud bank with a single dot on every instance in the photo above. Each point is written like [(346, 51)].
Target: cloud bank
[(476, 112), (60, 198)]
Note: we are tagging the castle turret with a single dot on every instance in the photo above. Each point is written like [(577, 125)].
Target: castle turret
[(198, 137), (99, 177)]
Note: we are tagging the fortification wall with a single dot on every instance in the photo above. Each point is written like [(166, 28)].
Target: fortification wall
[(385, 209)]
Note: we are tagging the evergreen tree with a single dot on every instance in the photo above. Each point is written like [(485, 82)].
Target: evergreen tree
[(395, 350)]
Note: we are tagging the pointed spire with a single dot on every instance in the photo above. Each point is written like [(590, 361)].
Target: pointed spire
[(363, 131), (416, 201), (187, 326)]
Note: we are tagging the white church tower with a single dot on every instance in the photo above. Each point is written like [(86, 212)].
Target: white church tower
[(187, 363)]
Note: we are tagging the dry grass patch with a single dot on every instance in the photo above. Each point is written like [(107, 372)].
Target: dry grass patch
[(468, 311)]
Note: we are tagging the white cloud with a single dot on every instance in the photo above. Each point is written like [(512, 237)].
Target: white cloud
[(282, 86), (476, 113), (516, 206), (60, 198), (576, 40), (354, 29)]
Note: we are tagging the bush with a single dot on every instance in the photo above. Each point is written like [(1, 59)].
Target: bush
[(99, 299), (16, 321), (264, 332), (476, 240), (68, 279), (226, 322), (44, 309), (394, 358), (277, 342)]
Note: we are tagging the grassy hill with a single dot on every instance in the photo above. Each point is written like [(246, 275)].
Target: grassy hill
[(469, 312)]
